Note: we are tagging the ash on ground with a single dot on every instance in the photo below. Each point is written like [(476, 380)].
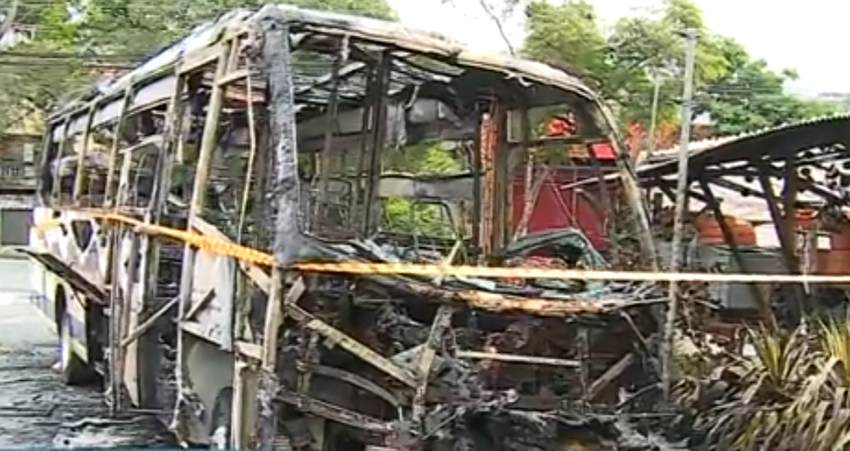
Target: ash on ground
[(38, 410)]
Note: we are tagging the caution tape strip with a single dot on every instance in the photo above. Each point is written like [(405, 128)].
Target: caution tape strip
[(230, 249)]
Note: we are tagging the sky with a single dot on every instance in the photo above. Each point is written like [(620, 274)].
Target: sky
[(803, 35)]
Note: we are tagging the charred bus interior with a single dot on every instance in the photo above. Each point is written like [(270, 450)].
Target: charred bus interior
[(326, 138)]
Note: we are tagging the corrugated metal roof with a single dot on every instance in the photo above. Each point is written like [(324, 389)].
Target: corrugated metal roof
[(706, 145), (664, 163), (753, 209)]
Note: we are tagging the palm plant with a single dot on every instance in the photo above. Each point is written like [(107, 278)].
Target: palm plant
[(794, 394)]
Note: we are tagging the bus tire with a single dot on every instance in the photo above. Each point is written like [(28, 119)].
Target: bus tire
[(74, 370), (220, 421)]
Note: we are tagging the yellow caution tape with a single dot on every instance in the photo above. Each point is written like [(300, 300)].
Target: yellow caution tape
[(228, 248)]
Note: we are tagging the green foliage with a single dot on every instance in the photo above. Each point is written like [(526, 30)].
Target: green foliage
[(34, 83), (111, 31), (427, 158), (140, 27), (793, 394), (567, 35), (750, 96), (418, 217), (738, 91)]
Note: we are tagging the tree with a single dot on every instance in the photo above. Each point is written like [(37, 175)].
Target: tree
[(140, 27), (738, 91), (750, 96), (69, 37), (567, 35), (35, 71), (648, 48)]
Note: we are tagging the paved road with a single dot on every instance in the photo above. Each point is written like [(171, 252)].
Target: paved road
[(36, 408)]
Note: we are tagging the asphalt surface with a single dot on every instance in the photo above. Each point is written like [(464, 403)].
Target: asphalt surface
[(36, 408)]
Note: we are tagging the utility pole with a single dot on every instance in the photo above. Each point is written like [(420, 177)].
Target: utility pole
[(653, 119), (681, 207), (9, 20)]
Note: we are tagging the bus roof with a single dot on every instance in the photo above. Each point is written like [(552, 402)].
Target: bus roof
[(379, 31)]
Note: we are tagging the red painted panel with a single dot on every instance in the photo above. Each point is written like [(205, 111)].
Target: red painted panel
[(559, 208), (564, 126), (604, 151)]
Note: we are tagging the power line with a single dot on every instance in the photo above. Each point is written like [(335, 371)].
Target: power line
[(72, 56), (63, 64)]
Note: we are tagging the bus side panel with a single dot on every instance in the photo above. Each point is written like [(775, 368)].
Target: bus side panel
[(51, 295)]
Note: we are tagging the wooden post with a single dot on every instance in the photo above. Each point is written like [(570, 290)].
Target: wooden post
[(765, 309), (792, 263)]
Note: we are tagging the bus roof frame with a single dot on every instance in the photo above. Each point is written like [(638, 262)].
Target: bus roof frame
[(154, 81)]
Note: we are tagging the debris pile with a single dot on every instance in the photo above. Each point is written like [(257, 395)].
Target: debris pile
[(513, 430), (508, 352)]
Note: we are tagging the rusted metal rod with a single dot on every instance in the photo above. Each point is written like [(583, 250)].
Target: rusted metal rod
[(149, 322), (517, 358)]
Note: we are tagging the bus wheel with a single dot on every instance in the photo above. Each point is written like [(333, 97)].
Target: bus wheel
[(74, 370), (220, 421)]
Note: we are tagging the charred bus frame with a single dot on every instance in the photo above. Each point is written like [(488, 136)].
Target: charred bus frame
[(237, 133)]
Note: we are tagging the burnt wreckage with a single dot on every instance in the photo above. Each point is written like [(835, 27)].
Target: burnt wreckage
[(791, 182), (773, 202), (298, 132)]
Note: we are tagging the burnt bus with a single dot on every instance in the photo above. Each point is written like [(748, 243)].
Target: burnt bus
[(321, 137)]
